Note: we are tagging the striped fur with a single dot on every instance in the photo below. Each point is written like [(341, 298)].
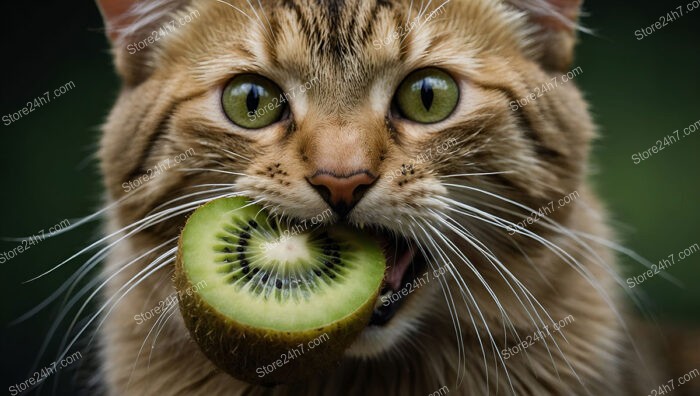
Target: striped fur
[(498, 51)]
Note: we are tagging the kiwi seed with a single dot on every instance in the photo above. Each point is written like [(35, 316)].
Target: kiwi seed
[(265, 294)]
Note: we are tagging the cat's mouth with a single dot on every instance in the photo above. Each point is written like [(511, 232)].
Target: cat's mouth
[(405, 264)]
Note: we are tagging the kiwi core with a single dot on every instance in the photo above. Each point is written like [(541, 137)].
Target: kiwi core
[(259, 276)]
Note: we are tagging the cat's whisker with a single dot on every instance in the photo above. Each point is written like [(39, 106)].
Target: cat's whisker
[(175, 309), (461, 350), (425, 21), (233, 155), (156, 263), (218, 161), (463, 287), (559, 252), (501, 268), (462, 283), (465, 291), (160, 319), (423, 10), (574, 235), (137, 226), (104, 282), (211, 191), (552, 225), (102, 240), (269, 25), (242, 12), (268, 33), (502, 223), (75, 224), (462, 232), (150, 269), (534, 267), (475, 174), (588, 252), (66, 307), (408, 14), (505, 224), (420, 10), (627, 252), (215, 171), (95, 259), (70, 282), (446, 292)]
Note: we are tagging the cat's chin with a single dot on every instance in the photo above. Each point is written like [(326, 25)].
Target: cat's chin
[(405, 298), (400, 309), (377, 341)]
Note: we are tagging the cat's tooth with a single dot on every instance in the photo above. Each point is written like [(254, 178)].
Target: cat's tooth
[(362, 225)]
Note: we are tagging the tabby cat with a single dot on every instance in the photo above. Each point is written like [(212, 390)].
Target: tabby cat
[(431, 123)]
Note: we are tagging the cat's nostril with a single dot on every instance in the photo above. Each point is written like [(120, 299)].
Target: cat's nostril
[(342, 193)]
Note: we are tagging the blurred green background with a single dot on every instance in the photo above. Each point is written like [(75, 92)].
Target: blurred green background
[(639, 91)]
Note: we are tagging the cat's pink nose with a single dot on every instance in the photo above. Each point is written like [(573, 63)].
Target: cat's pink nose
[(342, 193)]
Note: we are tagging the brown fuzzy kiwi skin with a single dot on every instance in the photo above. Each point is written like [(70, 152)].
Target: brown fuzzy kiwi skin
[(240, 350)]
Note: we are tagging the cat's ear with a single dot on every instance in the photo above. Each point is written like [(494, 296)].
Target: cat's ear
[(556, 24), (129, 24), (115, 14)]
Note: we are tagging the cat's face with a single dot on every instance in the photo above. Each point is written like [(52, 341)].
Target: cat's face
[(342, 140)]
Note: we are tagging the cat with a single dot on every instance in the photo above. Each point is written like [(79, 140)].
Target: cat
[(522, 297)]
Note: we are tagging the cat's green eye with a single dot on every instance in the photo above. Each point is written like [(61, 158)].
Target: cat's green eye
[(427, 96), (252, 101)]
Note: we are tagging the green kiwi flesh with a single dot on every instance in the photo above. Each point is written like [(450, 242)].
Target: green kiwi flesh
[(267, 305)]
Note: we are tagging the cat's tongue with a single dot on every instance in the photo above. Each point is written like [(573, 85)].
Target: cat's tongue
[(398, 258)]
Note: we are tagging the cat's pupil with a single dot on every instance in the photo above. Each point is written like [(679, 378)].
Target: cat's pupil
[(253, 99), (426, 94)]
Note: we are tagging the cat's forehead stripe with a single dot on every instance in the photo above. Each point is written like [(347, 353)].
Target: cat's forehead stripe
[(351, 50), (338, 28)]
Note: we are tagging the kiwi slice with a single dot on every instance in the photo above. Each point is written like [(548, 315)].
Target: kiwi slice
[(271, 304)]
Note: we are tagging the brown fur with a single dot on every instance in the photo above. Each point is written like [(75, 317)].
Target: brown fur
[(498, 53)]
